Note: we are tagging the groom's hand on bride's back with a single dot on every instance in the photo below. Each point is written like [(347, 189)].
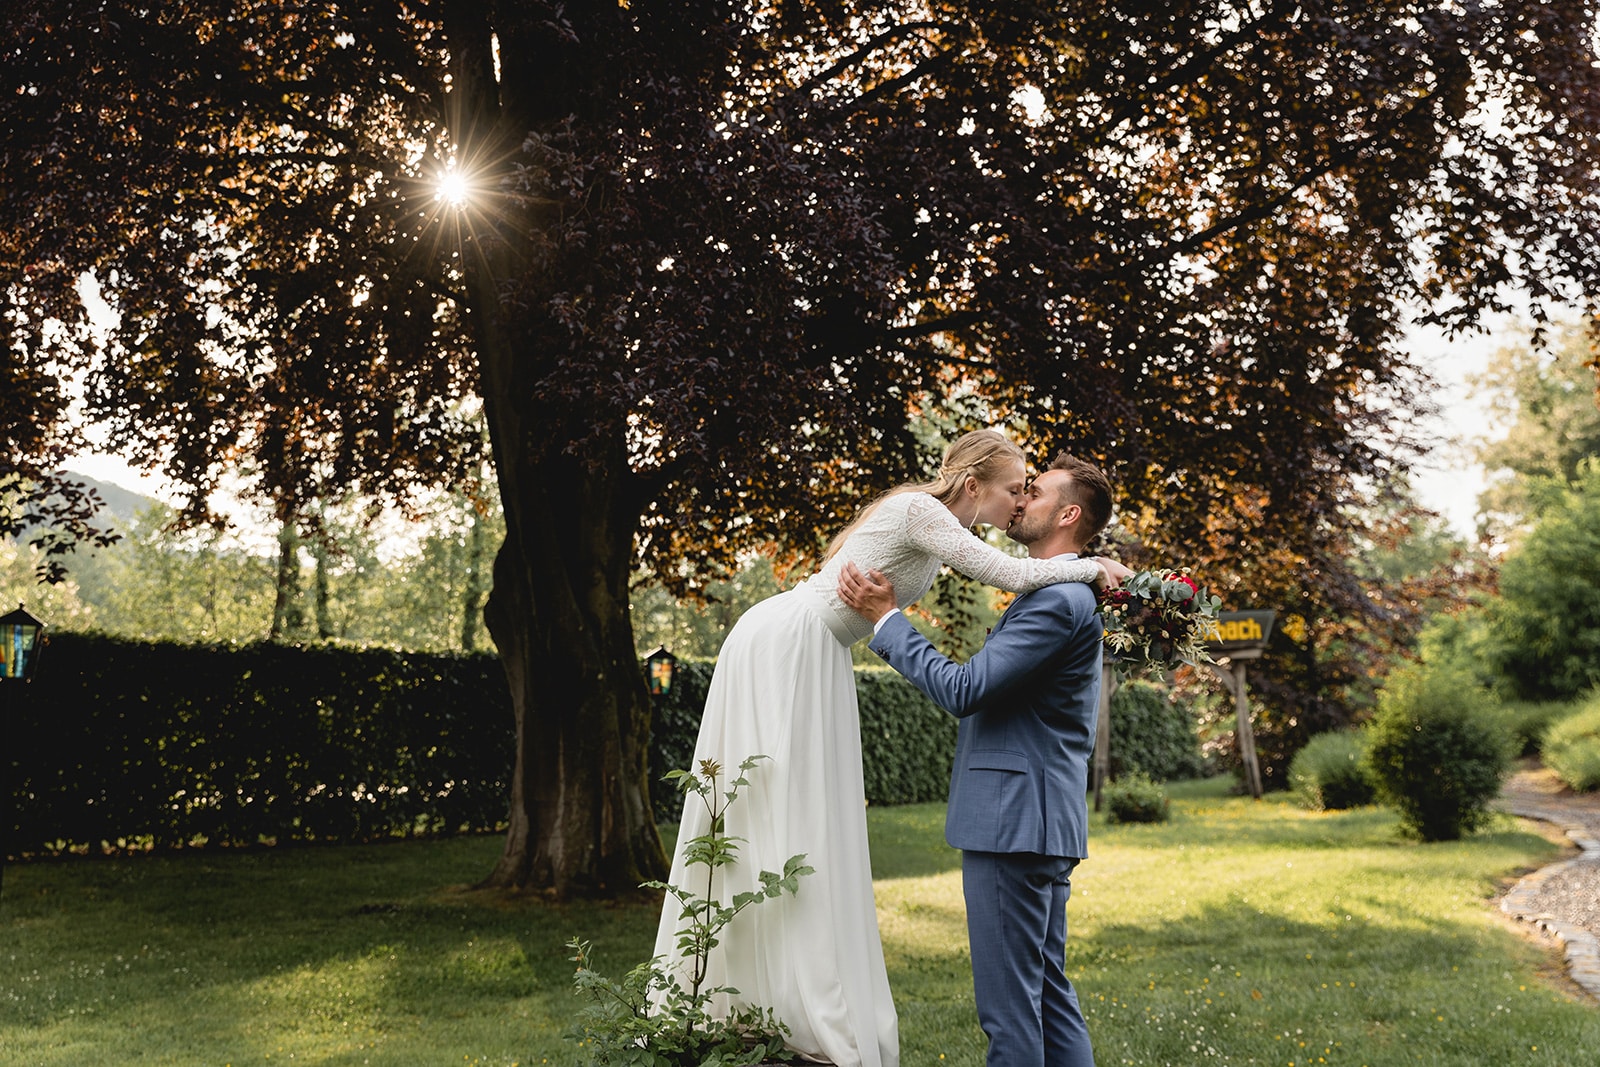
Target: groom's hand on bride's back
[(869, 593)]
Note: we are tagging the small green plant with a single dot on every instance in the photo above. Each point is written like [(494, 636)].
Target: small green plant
[(1572, 745), (1330, 773), (1436, 752), (651, 1018), (1135, 797)]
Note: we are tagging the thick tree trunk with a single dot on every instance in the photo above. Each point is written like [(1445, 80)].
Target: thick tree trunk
[(580, 819), (580, 802)]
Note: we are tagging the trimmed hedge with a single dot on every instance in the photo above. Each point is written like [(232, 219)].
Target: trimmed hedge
[(130, 744), (123, 743), (907, 743), (1153, 735)]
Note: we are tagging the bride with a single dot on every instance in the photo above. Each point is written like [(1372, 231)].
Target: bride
[(784, 688)]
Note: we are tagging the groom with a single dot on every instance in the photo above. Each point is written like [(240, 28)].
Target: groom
[(1027, 704)]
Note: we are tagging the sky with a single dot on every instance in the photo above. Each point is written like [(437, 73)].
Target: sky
[(1449, 481)]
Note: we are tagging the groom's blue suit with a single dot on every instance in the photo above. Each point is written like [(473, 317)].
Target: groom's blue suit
[(1027, 704)]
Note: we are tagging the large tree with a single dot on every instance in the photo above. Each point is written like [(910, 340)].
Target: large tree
[(712, 255)]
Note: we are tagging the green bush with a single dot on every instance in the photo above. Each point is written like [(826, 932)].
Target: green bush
[(1436, 752), (122, 743), (1136, 798), (1330, 773), (1572, 745), (1152, 734), (1526, 721)]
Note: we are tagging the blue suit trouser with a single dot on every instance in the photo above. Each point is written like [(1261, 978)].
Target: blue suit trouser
[(1017, 929)]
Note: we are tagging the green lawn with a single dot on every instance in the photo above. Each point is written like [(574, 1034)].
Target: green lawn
[(1239, 933)]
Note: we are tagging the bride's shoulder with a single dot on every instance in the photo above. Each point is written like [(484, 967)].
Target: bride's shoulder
[(912, 502)]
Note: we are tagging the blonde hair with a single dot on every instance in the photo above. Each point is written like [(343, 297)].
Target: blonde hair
[(980, 454)]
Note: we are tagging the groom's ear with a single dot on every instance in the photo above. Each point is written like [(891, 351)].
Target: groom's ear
[(1070, 516)]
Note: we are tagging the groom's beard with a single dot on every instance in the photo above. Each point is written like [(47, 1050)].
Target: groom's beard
[(1024, 532)]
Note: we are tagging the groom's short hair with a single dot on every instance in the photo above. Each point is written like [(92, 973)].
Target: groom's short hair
[(1089, 488)]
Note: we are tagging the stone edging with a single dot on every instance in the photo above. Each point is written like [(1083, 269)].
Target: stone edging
[(1583, 948)]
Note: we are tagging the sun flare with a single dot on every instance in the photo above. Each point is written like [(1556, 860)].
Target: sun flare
[(454, 188)]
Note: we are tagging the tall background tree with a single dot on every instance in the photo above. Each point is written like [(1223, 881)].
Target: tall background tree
[(1544, 402), (710, 257)]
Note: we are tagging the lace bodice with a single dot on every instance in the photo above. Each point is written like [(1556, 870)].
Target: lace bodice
[(909, 536)]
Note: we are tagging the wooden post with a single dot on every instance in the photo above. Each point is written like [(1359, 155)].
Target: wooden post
[(1230, 672), (1102, 730), (1247, 733)]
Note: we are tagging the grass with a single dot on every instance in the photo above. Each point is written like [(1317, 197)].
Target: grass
[(1237, 933)]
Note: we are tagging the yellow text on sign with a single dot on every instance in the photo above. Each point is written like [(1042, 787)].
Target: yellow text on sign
[(1239, 630)]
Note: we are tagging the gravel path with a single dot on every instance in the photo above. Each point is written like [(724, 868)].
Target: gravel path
[(1563, 898)]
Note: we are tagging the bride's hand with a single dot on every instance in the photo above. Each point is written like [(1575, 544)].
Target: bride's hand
[(1111, 572)]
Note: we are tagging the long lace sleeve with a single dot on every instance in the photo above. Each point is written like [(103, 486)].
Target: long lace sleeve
[(933, 529)]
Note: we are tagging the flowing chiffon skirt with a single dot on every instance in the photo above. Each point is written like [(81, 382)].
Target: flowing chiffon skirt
[(784, 688)]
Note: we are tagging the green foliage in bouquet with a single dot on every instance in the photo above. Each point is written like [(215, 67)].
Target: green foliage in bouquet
[(1159, 619), (649, 1018)]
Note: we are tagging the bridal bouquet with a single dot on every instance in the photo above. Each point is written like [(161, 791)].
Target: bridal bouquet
[(1159, 619)]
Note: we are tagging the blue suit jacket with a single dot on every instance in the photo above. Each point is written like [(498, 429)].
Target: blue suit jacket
[(1027, 704)]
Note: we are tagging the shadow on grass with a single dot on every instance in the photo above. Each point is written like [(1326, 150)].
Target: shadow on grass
[(333, 953)]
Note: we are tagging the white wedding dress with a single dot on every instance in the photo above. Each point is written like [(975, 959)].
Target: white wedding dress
[(784, 688)]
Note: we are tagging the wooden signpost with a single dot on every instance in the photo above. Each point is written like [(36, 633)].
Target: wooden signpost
[(1242, 637)]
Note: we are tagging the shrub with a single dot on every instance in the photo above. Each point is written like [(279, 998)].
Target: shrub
[(1330, 774), (1572, 745), (1136, 798), (1526, 721), (674, 726), (124, 743), (650, 1017), (1436, 752), (1152, 734)]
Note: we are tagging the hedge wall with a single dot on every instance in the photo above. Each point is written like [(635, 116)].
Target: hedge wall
[(125, 743), (121, 743)]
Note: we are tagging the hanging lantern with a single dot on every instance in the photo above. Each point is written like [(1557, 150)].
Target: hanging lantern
[(658, 670)]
